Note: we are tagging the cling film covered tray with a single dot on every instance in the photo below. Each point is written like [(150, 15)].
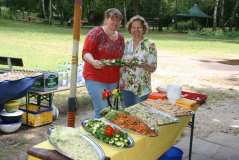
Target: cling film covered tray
[(131, 123), (151, 115), (74, 144), (108, 133), (164, 106)]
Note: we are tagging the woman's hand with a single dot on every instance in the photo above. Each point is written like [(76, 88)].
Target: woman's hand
[(147, 67), (97, 64)]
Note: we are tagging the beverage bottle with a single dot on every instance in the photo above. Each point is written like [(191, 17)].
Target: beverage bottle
[(68, 70)]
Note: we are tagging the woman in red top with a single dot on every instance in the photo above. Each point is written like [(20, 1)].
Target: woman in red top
[(102, 42)]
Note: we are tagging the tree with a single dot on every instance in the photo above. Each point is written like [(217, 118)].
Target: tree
[(233, 15), (221, 20), (215, 16), (44, 9), (160, 15), (136, 6)]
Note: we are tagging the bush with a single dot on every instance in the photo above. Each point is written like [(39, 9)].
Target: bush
[(218, 34), (187, 25)]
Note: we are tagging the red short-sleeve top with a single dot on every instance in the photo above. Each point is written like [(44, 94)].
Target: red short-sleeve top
[(101, 47)]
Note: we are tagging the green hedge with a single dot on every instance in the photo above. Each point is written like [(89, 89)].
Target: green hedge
[(187, 25)]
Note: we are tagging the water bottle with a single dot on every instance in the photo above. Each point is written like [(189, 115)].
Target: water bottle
[(60, 75), (64, 76), (68, 70), (79, 74)]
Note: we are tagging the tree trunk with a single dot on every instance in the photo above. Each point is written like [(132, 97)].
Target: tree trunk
[(43, 9), (175, 17), (62, 11), (160, 17), (222, 16), (136, 7), (107, 3), (233, 15), (125, 16), (50, 12), (237, 24), (215, 16)]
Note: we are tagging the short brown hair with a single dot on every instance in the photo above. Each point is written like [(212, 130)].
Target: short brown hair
[(113, 12), (137, 18)]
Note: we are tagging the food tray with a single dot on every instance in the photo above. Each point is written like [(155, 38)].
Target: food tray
[(136, 123), (120, 62), (151, 115), (171, 109), (150, 126), (129, 138), (99, 150)]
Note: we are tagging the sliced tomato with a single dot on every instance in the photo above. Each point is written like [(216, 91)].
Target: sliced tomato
[(108, 130)]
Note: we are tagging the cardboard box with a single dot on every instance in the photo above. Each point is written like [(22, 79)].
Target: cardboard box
[(41, 117), (46, 82), (187, 103)]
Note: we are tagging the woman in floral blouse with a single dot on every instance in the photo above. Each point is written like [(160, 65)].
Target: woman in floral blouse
[(135, 80), (102, 42)]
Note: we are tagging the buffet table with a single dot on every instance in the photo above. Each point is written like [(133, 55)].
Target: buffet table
[(14, 89), (149, 148)]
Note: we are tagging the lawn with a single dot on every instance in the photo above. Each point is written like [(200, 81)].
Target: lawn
[(42, 47)]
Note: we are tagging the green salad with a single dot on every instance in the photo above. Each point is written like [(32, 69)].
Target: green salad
[(107, 133)]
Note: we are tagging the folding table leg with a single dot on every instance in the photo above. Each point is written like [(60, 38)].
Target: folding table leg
[(27, 103), (50, 99), (191, 137)]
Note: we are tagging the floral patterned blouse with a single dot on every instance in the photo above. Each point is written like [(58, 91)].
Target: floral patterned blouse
[(137, 79)]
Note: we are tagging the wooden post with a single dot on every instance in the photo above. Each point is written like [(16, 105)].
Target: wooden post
[(72, 105)]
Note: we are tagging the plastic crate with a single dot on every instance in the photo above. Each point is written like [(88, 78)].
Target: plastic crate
[(200, 98), (37, 118), (46, 82), (173, 153)]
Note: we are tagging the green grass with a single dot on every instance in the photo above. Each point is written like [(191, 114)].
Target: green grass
[(44, 46)]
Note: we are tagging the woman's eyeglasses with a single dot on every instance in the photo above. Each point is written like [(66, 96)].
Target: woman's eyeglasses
[(115, 19)]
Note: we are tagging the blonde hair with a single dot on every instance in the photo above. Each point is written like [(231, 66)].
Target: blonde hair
[(137, 18)]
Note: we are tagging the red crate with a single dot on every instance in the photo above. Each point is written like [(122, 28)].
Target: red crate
[(200, 98)]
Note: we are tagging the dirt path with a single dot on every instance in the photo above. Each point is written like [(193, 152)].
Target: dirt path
[(208, 76), (199, 74)]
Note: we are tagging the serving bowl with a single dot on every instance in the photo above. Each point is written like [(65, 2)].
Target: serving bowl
[(10, 127), (11, 106), (11, 117)]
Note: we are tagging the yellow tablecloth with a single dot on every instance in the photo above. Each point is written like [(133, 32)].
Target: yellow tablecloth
[(145, 148)]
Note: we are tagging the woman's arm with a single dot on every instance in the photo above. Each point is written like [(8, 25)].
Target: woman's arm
[(90, 59)]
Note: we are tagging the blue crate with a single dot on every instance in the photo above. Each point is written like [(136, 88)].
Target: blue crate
[(173, 153)]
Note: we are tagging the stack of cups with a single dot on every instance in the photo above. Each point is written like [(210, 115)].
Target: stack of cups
[(174, 92)]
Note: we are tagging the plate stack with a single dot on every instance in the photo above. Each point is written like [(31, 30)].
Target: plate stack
[(10, 117)]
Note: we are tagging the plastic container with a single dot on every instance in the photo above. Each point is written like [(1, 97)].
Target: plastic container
[(10, 127), (174, 92), (173, 153), (11, 106), (11, 117)]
